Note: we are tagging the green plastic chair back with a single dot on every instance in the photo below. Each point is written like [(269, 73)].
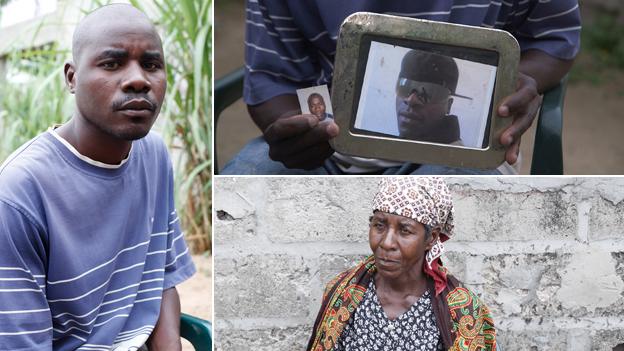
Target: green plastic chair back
[(197, 331), (548, 147), (227, 90), (547, 150)]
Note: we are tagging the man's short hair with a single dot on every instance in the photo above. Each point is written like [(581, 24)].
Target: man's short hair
[(424, 66), (315, 95)]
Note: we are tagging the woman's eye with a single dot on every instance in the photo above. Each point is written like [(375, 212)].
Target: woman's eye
[(406, 230)]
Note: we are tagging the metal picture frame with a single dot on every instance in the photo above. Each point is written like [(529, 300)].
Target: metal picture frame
[(362, 32)]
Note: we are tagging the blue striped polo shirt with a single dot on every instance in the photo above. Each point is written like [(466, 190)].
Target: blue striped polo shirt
[(86, 249), (290, 44)]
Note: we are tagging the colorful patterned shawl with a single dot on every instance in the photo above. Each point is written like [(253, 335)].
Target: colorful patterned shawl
[(464, 321)]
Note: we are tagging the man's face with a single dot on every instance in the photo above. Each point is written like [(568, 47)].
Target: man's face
[(419, 106), (398, 244), (317, 106), (120, 79)]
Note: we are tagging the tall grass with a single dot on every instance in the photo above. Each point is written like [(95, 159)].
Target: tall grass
[(33, 97), (187, 32)]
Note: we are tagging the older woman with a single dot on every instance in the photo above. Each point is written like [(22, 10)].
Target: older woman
[(401, 297)]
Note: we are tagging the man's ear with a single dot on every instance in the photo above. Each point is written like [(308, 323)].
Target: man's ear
[(435, 234), (70, 72), (450, 103)]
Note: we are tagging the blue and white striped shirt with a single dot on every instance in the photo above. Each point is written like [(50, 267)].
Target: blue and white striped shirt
[(290, 44), (85, 250)]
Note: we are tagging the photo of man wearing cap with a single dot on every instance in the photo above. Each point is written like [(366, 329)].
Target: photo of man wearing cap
[(424, 96)]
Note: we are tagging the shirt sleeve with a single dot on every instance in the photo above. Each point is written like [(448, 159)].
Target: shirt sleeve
[(25, 320), (278, 58), (178, 264), (553, 27)]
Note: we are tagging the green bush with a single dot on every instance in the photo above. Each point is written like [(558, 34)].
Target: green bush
[(602, 48), (33, 97), (603, 39)]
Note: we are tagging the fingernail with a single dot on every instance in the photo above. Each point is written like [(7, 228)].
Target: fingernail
[(514, 159), (332, 130), (503, 111), (312, 120), (506, 141)]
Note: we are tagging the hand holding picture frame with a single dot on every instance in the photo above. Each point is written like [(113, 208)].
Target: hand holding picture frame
[(421, 91)]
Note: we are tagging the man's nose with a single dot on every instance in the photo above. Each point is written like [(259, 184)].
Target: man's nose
[(413, 100), (135, 79)]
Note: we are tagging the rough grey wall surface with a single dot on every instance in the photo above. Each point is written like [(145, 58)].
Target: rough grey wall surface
[(546, 254)]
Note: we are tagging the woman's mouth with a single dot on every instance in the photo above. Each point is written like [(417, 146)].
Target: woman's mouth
[(386, 261)]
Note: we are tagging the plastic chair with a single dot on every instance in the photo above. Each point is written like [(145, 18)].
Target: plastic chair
[(548, 147), (197, 331), (227, 90), (547, 150)]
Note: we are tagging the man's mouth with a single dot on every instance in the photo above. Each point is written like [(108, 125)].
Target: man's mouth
[(137, 105), (411, 116), (141, 108)]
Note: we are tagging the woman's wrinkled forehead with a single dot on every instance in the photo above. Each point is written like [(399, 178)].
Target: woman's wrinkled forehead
[(424, 199)]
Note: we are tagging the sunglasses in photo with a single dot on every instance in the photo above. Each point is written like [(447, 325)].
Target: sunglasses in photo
[(426, 92)]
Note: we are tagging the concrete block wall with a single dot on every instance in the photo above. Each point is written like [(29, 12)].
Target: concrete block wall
[(546, 254)]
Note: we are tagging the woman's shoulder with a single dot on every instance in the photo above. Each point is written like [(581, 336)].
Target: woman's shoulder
[(465, 306), (460, 296), (361, 268)]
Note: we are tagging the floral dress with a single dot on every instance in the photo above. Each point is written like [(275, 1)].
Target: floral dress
[(371, 330)]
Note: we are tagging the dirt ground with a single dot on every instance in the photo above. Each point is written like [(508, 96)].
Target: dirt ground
[(593, 117), (196, 293)]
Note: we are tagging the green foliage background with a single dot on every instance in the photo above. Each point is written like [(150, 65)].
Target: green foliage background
[(602, 46)]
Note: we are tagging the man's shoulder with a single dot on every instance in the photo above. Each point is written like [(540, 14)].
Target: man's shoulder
[(154, 145), (21, 173), (29, 161), (154, 140)]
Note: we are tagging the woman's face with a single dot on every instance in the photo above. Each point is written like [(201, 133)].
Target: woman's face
[(398, 244)]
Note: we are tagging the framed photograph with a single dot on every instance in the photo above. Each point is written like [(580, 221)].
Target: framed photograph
[(421, 91)]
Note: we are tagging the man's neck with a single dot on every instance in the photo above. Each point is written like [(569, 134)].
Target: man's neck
[(93, 143)]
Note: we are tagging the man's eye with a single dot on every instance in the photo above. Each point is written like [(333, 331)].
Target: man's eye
[(110, 65), (151, 66)]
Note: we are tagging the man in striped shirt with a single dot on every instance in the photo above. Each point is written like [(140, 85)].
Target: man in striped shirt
[(291, 45), (90, 242)]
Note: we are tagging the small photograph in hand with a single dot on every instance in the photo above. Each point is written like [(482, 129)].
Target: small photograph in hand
[(316, 101), (425, 96)]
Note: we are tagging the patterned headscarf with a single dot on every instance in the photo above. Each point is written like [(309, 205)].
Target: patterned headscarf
[(426, 200)]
